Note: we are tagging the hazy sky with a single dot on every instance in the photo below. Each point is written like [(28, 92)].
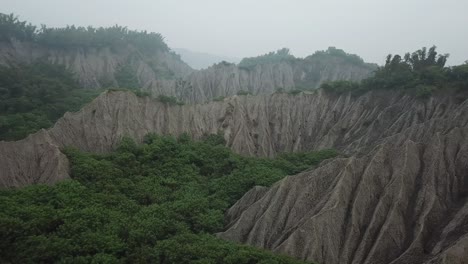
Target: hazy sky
[(240, 28)]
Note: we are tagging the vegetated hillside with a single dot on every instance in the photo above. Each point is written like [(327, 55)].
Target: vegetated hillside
[(403, 179), (118, 57), (157, 202), (45, 72), (404, 132), (251, 125), (44, 69), (99, 57), (420, 73), (34, 96)]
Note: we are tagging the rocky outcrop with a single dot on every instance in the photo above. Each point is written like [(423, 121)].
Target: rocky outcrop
[(98, 67), (403, 202), (36, 159), (164, 72), (252, 125), (227, 79)]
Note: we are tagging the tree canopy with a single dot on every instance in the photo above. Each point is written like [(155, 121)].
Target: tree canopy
[(272, 57), (420, 73), (339, 53), (83, 37), (34, 96), (158, 202)]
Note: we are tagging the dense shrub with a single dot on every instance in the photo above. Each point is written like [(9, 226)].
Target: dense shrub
[(34, 96), (339, 53), (272, 57), (419, 73), (82, 37), (158, 202)]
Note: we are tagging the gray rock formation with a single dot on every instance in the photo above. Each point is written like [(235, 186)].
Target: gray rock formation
[(36, 159), (227, 79), (97, 67), (164, 73), (403, 202), (252, 125)]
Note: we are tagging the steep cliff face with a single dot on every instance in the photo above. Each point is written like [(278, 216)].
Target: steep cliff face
[(164, 73), (36, 159), (226, 79), (252, 125), (98, 67), (404, 202)]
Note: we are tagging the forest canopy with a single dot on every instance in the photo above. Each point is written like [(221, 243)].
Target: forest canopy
[(34, 96), (71, 36), (339, 53), (420, 73), (272, 57), (157, 202)]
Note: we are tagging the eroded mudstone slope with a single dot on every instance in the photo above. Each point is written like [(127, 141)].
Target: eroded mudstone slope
[(404, 202), (385, 207), (36, 159), (164, 73), (257, 125), (252, 125), (227, 79), (98, 67)]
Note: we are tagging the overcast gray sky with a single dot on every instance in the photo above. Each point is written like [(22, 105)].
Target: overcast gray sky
[(369, 28)]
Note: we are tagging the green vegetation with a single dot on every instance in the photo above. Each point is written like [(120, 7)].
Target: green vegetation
[(272, 57), (82, 37), (339, 53), (158, 202), (169, 100), (34, 96), (420, 73)]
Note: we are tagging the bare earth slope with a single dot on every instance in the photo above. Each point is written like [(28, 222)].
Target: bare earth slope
[(98, 67), (400, 196), (404, 202), (227, 79), (164, 73), (252, 125)]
